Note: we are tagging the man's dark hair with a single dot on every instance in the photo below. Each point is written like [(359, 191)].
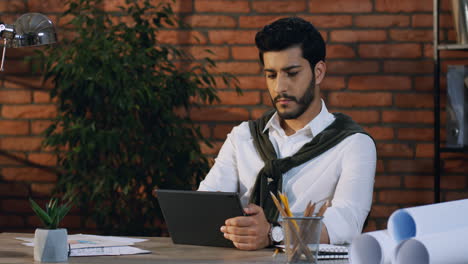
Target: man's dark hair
[(291, 31)]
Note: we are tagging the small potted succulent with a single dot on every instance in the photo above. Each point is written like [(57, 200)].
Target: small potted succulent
[(50, 242)]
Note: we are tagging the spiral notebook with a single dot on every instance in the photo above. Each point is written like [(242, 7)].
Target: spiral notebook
[(328, 251)]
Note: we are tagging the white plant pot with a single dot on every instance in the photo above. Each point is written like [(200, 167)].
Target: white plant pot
[(50, 245)]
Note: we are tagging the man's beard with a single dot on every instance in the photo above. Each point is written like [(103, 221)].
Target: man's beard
[(303, 102)]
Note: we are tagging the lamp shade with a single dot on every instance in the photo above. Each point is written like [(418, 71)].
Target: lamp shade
[(33, 29)]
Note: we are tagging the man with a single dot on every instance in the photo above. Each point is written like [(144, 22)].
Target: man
[(300, 148)]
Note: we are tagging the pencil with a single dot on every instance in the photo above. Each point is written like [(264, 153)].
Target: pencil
[(278, 205), (323, 208), (285, 201), (309, 209)]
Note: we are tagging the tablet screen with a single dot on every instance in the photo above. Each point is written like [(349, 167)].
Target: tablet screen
[(195, 217)]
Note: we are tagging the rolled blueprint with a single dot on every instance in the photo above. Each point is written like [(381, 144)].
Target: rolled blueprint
[(447, 247), (372, 248), (428, 219)]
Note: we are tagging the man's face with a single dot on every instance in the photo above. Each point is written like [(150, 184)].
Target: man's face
[(290, 81)]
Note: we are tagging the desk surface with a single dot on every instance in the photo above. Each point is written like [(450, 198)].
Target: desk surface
[(162, 251)]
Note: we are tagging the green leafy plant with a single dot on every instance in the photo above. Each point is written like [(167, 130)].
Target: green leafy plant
[(53, 213), (122, 128)]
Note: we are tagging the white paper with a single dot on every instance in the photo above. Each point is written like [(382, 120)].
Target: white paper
[(87, 241), (92, 245), (427, 219), (91, 241), (446, 247), (107, 251), (27, 239), (372, 248), (116, 238)]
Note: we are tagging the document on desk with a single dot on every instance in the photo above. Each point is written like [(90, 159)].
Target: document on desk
[(107, 251), (92, 245)]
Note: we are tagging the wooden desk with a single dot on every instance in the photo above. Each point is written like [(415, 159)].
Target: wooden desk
[(162, 251)]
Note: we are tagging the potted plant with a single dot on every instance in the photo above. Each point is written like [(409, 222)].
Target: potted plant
[(121, 128), (50, 242)]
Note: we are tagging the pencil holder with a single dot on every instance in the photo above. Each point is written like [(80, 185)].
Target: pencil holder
[(302, 238)]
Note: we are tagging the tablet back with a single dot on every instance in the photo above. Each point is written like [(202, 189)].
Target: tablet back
[(195, 217)]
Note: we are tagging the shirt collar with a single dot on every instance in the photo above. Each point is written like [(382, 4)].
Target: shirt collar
[(315, 126)]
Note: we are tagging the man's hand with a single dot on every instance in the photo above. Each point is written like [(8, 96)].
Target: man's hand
[(248, 232)]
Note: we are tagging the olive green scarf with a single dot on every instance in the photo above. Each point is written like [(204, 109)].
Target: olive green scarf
[(270, 177)]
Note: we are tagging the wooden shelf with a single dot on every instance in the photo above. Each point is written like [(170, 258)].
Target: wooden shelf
[(454, 149), (453, 47)]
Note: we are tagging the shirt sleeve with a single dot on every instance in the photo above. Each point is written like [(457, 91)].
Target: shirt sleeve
[(223, 176), (352, 200)]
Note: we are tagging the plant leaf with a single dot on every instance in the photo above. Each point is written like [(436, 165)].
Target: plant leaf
[(43, 216)]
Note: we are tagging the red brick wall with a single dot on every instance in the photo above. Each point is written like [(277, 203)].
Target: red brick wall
[(379, 72)]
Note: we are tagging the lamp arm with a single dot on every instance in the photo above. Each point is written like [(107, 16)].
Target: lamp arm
[(7, 31), (5, 34), (2, 28)]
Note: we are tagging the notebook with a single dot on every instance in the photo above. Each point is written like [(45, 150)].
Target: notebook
[(328, 251), (195, 217)]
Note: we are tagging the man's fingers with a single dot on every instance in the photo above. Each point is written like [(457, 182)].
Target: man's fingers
[(248, 232), (253, 209), (240, 221), (240, 239), (240, 231)]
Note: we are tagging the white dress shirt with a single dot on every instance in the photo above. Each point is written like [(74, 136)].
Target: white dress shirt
[(343, 174)]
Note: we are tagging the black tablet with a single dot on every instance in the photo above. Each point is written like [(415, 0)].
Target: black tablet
[(195, 217)]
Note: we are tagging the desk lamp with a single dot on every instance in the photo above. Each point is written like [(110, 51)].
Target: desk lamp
[(31, 29)]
